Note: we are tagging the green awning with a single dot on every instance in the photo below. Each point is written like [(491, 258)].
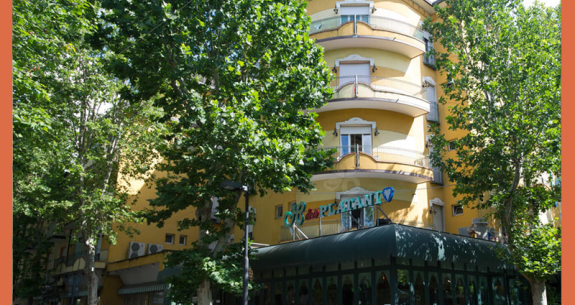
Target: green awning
[(380, 242), (142, 288)]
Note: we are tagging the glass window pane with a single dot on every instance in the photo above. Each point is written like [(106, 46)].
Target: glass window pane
[(433, 289), (365, 288), (332, 290), (317, 292), (498, 291), (482, 295), (460, 290), (473, 290), (383, 289), (403, 287), (303, 293), (278, 294), (447, 291), (290, 293), (347, 288), (419, 289), (344, 144)]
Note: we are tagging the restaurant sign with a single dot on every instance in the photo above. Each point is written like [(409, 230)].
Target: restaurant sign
[(296, 215)]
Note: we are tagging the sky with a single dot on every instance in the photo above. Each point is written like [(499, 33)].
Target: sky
[(546, 2)]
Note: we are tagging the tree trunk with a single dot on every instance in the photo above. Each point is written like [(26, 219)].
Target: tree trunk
[(205, 293), (538, 291), (90, 272)]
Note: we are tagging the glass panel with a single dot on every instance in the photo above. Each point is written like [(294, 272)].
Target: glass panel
[(446, 265), (256, 299), (447, 291), (432, 263), (303, 293), (514, 293), (382, 261), (267, 294), (365, 288), (278, 294), (383, 289), (348, 265), (316, 268), (364, 263), (472, 291), (419, 289), (290, 272), (331, 290), (290, 293), (459, 266), (369, 217), (345, 220), (303, 270), (278, 273), (403, 287), (403, 261), (417, 262), (331, 267), (366, 147), (157, 298), (347, 289), (482, 296), (344, 144), (460, 290), (498, 291), (433, 289), (317, 292)]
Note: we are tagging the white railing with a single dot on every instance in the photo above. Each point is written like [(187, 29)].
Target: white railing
[(378, 83), (382, 153)]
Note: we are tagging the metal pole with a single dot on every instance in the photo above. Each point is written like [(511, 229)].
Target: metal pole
[(246, 259)]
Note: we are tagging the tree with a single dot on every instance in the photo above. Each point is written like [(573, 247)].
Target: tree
[(73, 133), (502, 63), (236, 80)]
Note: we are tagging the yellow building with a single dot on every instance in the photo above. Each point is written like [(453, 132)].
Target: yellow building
[(385, 97)]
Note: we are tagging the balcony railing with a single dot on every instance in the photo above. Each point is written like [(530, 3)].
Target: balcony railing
[(375, 22), (378, 83), (72, 258), (382, 153)]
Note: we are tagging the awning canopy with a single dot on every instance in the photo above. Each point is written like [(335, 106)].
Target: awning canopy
[(379, 242)]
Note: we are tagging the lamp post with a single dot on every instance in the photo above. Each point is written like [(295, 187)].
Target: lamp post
[(235, 186)]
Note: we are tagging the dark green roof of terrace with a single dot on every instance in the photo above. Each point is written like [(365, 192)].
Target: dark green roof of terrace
[(379, 242)]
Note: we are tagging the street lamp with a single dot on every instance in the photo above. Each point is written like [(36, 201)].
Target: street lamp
[(236, 186)]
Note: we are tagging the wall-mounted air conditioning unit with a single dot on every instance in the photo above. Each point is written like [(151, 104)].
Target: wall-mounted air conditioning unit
[(136, 249), (155, 248)]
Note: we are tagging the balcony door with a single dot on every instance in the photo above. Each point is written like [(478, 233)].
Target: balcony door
[(360, 218), (348, 72), (352, 137)]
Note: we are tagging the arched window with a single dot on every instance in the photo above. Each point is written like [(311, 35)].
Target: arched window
[(290, 293), (383, 289), (365, 288), (332, 290), (433, 290), (347, 289), (447, 291), (419, 289), (303, 293), (317, 292), (460, 292)]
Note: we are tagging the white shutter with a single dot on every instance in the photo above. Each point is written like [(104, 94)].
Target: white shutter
[(355, 10), (366, 143), (355, 130), (354, 69), (430, 94)]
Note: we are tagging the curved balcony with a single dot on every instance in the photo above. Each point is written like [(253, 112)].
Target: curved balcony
[(374, 92), (364, 31), (378, 162)]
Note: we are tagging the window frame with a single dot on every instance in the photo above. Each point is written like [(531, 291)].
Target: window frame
[(173, 237), (277, 210), (185, 240), (455, 208)]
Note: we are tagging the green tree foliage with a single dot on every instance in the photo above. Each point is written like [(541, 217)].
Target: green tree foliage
[(503, 65), (72, 130), (236, 80)]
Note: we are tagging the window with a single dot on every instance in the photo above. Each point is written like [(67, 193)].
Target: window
[(457, 209), (349, 71), (361, 12), (183, 239), (170, 238), (279, 211), (428, 59), (451, 145), (355, 137)]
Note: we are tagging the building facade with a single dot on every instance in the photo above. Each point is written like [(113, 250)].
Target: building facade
[(385, 96)]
